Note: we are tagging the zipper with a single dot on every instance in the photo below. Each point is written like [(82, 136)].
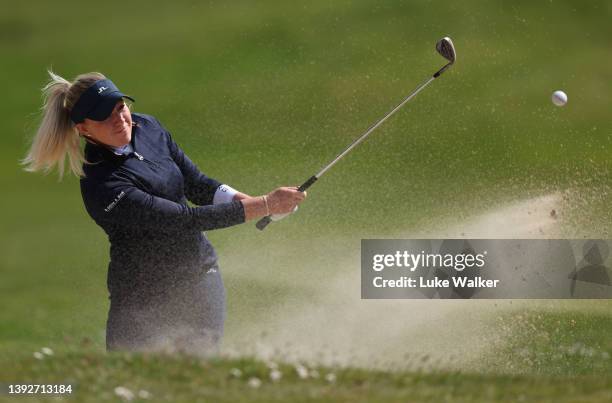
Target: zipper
[(141, 158)]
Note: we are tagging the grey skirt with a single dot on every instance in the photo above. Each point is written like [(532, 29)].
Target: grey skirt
[(187, 317)]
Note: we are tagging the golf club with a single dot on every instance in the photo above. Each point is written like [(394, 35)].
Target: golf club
[(445, 48)]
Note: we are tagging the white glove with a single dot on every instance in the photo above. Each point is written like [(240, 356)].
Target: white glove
[(278, 217)]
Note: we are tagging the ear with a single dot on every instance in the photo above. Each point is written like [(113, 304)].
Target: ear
[(82, 128)]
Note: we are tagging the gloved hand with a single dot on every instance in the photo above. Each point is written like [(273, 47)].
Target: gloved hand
[(278, 217)]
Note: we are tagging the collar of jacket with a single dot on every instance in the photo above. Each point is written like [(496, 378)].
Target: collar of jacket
[(95, 152)]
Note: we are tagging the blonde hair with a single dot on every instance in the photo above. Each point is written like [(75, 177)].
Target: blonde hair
[(57, 137)]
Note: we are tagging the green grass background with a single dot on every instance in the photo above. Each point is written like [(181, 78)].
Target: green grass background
[(263, 94)]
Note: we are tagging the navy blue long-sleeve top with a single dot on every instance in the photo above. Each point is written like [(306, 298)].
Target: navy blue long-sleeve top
[(140, 201)]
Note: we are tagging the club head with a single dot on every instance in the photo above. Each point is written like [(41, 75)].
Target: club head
[(446, 48)]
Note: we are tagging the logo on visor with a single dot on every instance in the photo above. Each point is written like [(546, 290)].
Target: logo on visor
[(101, 89)]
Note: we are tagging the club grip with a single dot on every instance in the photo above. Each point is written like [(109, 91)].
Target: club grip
[(308, 183), (263, 222)]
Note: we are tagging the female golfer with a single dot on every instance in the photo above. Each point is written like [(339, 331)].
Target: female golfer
[(166, 292)]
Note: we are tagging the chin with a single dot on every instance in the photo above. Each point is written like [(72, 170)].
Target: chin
[(125, 137)]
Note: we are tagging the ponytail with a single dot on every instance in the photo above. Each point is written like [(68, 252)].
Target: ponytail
[(57, 137)]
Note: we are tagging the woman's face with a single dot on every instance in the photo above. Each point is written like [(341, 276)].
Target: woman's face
[(115, 131)]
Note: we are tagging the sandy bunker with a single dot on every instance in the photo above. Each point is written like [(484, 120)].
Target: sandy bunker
[(337, 327)]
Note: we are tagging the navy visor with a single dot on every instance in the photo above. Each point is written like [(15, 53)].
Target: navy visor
[(97, 102)]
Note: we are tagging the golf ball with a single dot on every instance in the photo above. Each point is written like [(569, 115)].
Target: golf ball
[(559, 98)]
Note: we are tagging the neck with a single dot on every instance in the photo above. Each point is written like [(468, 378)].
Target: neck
[(98, 143)]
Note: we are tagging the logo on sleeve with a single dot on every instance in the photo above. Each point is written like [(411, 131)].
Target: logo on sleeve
[(115, 201)]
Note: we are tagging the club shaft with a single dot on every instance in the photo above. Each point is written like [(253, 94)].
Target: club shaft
[(374, 127), (263, 222)]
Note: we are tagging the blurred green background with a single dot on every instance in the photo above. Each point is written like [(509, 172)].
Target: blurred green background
[(263, 94)]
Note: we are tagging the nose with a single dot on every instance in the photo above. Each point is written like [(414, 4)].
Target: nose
[(118, 120)]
